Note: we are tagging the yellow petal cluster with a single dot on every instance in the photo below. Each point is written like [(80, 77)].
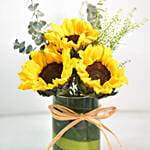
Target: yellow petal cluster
[(40, 59), (75, 27), (59, 51), (104, 55)]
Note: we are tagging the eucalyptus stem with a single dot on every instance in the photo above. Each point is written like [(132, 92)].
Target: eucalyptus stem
[(35, 28)]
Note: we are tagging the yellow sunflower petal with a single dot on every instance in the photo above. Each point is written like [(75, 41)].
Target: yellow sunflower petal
[(26, 85), (91, 54), (83, 30), (107, 53), (67, 27), (39, 58), (75, 22), (99, 54), (31, 72), (57, 28)]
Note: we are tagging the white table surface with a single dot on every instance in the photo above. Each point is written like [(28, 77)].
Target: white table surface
[(32, 132)]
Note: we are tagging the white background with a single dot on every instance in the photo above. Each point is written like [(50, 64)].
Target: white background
[(14, 18)]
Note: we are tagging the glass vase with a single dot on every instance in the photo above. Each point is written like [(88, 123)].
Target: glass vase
[(84, 135)]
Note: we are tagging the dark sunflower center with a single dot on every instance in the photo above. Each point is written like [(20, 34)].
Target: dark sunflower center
[(51, 71), (73, 38), (98, 71)]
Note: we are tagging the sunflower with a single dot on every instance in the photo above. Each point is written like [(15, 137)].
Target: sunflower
[(46, 70), (73, 33), (99, 71)]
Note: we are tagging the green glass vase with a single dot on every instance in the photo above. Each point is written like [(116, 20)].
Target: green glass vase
[(84, 135)]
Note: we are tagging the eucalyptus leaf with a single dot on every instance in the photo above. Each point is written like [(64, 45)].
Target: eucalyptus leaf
[(21, 49), (39, 13), (30, 24), (33, 37), (16, 44), (38, 41), (22, 44), (16, 41), (42, 47), (36, 5), (30, 31), (91, 14), (29, 49), (42, 23), (43, 37), (37, 26), (33, 7)]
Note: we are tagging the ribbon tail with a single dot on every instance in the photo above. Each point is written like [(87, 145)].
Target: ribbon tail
[(109, 145), (97, 123), (60, 134), (112, 134)]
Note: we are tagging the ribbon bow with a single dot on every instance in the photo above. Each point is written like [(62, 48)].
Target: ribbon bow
[(62, 113)]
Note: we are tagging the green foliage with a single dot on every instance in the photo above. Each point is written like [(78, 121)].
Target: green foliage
[(115, 28), (39, 13), (74, 87), (35, 28), (21, 47), (124, 63), (81, 10), (98, 15), (29, 49), (33, 7), (16, 44), (93, 13)]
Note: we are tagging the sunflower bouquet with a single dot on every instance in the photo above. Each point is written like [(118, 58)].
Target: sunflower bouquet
[(74, 63)]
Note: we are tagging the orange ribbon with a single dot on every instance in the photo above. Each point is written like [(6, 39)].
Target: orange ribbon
[(62, 113)]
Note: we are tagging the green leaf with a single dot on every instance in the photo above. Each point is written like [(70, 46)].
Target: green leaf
[(100, 3), (39, 13), (16, 44), (30, 57), (36, 25), (38, 41), (30, 27), (22, 44), (124, 63), (29, 49), (30, 24), (42, 47), (22, 47), (33, 7), (16, 41), (36, 5), (30, 31), (33, 37), (42, 23)]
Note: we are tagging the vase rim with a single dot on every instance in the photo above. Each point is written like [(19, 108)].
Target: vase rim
[(71, 97)]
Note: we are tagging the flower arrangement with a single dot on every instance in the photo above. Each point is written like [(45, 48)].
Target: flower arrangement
[(74, 61)]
